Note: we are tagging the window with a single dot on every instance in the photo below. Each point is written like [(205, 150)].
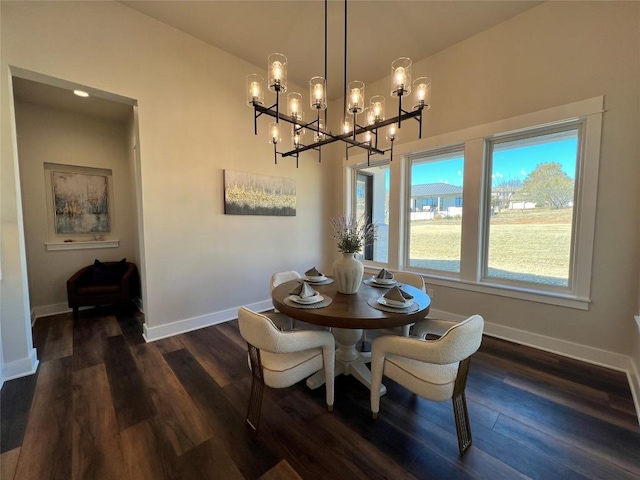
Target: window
[(435, 211), (372, 203), (505, 208), (530, 207)]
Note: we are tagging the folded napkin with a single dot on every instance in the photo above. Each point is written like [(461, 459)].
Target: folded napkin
[(385, 274), (397, 295), (313, 272), (303, 291)]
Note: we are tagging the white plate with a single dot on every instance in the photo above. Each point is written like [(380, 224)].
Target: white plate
[(383, 281), (306, 301), (392, 303), (316, 279)]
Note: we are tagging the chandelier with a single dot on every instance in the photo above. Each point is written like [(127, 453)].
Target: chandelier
[(361, 135)]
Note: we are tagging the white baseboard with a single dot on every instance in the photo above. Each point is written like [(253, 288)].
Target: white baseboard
[(584, 353), (58, 308), (152, 334), (46, 310), (21, 368)]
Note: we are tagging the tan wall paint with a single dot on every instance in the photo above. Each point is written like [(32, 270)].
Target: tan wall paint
[(47, 135), (554, 54)]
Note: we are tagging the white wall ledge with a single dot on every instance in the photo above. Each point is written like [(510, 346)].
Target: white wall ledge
[(83, 245)]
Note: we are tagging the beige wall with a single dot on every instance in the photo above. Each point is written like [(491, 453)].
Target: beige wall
[(47, 135), (554, 54)]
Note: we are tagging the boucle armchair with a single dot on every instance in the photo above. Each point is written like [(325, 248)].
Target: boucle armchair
[(434, 369), (280, 359)]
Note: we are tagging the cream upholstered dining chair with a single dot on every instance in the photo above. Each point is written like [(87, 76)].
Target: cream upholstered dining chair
[(280, 359), (283, 322), (434, 369)]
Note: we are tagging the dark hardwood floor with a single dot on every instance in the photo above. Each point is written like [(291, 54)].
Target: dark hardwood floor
[(104, 404)]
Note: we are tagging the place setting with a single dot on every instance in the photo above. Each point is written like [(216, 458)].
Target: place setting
[(384, 279), (314, 277), (304, 296), (395, 300)]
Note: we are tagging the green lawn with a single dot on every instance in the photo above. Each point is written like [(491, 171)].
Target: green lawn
[(523, 243)]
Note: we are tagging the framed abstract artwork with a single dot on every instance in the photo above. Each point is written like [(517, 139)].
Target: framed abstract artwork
[(253, 194)]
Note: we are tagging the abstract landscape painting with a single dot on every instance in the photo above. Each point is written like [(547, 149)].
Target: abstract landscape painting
[(251, 194), (81, 203)]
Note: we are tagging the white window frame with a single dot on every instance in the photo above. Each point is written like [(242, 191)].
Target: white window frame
[(589, 111), (409, 160), (353, 179)]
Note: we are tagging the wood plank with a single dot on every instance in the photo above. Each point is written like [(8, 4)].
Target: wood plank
[(8, 463), (207, 460), (131, 400), (89, 341), (581, 403), (96, 447), (170, 344), (15, 403), (147, 454), (59, 343), (252, 455), (183, 424), (111, 326), (282, 471), (216, 354), (46, 448), (591, 434), (576, 459)]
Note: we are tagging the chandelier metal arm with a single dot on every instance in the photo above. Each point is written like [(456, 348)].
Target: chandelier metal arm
[(345, 137)]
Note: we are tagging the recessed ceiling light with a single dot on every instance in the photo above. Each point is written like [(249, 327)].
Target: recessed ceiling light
[(81, 93)]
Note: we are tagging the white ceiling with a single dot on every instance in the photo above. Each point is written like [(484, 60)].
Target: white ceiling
[(378, 31)]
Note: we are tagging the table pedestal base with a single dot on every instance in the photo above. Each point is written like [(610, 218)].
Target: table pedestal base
[(349, 361)]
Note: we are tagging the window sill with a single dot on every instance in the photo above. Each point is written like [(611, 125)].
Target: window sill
[(530, 295), (82, 245)]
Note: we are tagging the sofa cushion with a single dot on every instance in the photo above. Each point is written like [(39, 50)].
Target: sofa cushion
[(108, 273)]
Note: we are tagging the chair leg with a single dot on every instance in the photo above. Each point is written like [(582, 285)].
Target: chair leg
[(460, 412), (75, 313), (257, 388)]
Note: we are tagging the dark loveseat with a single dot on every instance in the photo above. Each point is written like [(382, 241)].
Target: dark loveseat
[(103, 284)]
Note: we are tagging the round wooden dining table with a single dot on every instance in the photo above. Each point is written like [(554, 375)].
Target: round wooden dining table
[(348, 315)]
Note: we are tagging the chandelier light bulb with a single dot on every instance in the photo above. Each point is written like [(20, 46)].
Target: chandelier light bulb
[(318, 93), (347, 125), (294, 105), (275, 133), (255, 91), (401, 76), (422, 87), (277, 68), (276, 72), (391, 133), (356, 97), (377, 108)]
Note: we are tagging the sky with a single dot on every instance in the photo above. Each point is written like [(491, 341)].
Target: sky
[(511, 162)]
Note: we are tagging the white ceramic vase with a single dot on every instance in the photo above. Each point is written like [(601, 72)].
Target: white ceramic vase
[(348, 272)]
